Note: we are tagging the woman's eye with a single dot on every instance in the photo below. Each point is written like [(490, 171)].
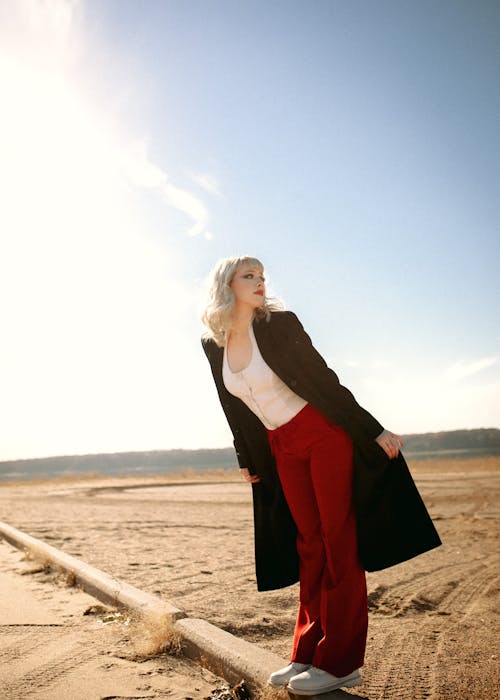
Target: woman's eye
[(251, 275)]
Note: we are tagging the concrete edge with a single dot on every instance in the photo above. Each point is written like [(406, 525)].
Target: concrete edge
[(226, 655), (97, 583)]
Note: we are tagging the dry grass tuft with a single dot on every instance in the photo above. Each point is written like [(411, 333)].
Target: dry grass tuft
[(43, 565), (152, 634), (69, 578), (37, 569)]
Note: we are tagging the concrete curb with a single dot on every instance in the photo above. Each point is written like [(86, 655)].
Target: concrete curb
[(97, 583), (225, 654)]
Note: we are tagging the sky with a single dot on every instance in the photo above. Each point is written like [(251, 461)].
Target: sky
[(353, 147)]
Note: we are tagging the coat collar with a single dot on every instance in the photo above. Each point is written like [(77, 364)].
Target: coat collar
[(269, 346)]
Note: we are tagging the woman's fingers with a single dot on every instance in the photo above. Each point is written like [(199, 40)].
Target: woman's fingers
[(251, 478), (390, 443)]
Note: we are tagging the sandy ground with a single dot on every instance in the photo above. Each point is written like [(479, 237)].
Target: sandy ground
[(58, 643), (433, 622)]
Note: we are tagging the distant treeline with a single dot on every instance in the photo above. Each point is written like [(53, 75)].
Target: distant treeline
[(122, 462), (479, 439), (482, 441)]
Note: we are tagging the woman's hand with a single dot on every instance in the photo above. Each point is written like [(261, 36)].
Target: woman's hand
[(390, 443), (251, 478)]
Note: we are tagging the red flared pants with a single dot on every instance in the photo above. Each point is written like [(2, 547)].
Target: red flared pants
[(314, 458)]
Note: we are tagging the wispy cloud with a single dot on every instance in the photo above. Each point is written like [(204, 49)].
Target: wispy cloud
[(139, 168), (190, 205), (461, 369), (207, 182), (49, 39), (143, 172)]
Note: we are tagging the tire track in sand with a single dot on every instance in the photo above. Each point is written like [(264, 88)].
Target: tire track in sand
[(31, 674), (409, 670), (404, 671), (443, 591), (22, 644)]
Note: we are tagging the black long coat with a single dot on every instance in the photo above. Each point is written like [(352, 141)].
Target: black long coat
[(393, 524)]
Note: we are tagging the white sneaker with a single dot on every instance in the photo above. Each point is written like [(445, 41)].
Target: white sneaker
[(280, 678), (315, 680)]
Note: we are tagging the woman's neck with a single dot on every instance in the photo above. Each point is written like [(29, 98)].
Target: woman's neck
[(241, 320)]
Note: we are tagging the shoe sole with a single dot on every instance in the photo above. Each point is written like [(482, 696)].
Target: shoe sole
[(278, 685), (351, 683)]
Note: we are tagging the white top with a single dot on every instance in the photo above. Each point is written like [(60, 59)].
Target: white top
[(261, 389)]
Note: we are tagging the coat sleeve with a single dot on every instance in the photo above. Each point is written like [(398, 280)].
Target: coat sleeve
[(227, 401), (351, 414)]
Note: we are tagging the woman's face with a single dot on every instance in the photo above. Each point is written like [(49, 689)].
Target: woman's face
[(248, 285)]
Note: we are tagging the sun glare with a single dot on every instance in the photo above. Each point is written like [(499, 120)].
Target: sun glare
[(85, 285)]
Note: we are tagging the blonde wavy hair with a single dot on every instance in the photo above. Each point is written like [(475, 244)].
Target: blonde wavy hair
[(221, 299)]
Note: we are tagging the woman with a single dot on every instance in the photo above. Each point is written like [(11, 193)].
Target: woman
[(332, 493)]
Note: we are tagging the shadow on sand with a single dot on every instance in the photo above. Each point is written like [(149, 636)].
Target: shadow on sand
[(334, 695)]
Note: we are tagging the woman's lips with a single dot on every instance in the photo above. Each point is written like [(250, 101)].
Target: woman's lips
[(261, 293)]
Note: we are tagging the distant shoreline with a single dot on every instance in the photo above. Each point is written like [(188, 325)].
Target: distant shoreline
[(451, 444), (28, 471)]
